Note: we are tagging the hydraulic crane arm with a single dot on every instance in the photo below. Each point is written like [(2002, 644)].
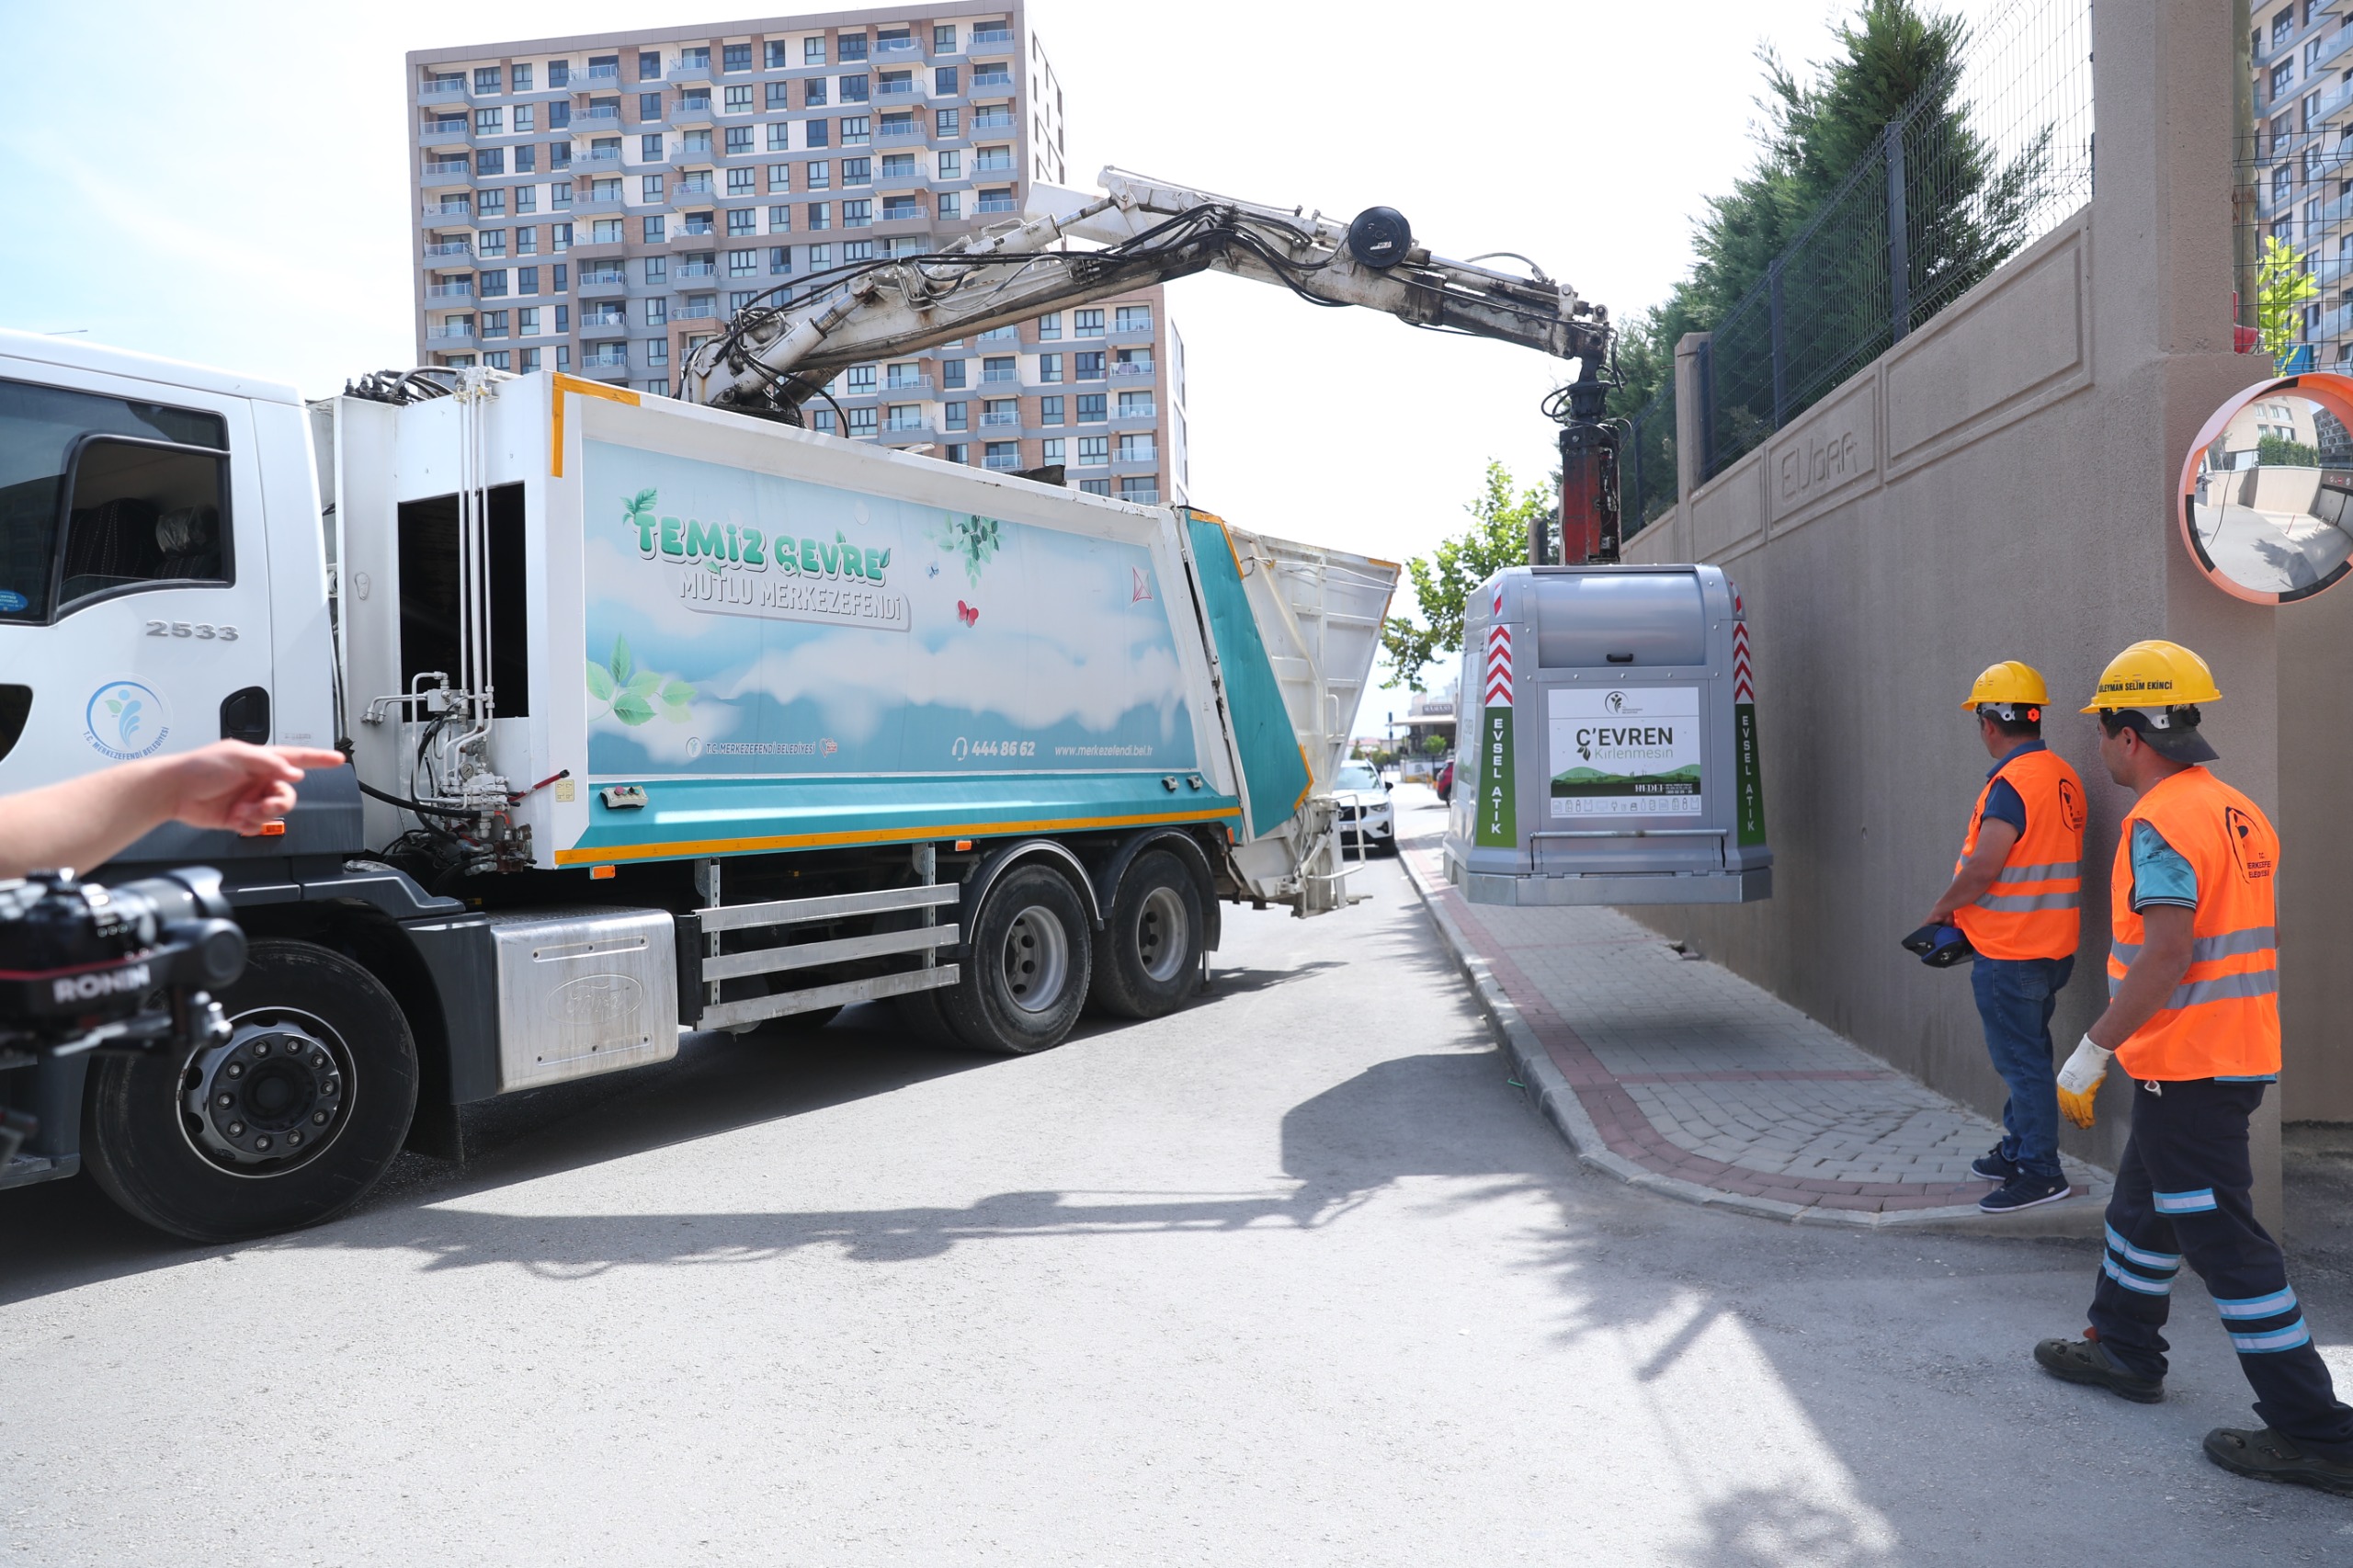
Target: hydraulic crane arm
[(1141, 231)]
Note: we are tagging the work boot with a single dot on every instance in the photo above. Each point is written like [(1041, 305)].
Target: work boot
[(2268, 1455), (1994, 1165), (2024, 1191), (2087, 1360)]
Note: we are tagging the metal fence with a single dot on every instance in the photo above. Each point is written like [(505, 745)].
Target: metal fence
[(1648, 480), (1982, 163)]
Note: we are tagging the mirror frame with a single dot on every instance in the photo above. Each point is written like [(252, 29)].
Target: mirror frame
[(2333, 393)]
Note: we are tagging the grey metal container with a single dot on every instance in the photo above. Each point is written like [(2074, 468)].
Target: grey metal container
[(1608, 751)]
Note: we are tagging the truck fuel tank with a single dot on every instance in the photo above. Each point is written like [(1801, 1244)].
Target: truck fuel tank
[(1609, 754)]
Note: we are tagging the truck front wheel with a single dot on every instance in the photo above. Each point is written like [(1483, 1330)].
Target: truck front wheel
[(1152, 945), (287, 1124), (1028, 959)]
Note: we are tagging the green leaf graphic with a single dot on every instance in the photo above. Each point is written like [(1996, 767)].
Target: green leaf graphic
[(642, 683), (632, 709), (677, 691), (113, 706), (622, 662), (600, 682)]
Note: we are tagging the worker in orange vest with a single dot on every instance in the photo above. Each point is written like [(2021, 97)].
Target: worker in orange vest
[(2193, 1015), (2016, 894)]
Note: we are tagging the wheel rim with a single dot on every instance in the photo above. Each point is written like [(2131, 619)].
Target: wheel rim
[(1036, 960), (275, 1095), (1164, 931)]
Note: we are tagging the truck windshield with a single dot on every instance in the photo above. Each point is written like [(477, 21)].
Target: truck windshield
[(37, 428)]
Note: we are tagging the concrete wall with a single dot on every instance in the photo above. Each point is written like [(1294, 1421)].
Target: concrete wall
[(1999, 485)]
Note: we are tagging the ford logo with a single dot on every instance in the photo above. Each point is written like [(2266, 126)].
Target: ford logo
[(595, 999)]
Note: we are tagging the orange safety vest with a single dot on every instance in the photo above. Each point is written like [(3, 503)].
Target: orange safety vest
[(2222, 1020), (2034, 910)]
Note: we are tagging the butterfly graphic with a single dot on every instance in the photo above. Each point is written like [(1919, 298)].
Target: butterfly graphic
[(1142, 589), (968, 614), (932, 570)]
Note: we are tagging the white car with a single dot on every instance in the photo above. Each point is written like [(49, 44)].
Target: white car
[(1367, 821)]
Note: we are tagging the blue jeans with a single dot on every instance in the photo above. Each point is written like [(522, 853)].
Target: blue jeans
[(2014, 999)]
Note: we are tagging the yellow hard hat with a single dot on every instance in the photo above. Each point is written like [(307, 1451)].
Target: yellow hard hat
[(2153, 674), (2009, 681)]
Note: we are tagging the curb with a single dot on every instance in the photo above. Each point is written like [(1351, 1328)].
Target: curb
[(1557, 1100)]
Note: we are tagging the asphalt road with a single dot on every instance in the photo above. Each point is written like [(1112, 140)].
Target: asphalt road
[(1294, 1277)]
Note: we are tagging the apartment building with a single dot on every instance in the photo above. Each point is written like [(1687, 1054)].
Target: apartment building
[(2303, 155), (601, 204)]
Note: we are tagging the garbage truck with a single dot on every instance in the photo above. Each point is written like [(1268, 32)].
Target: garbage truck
[(660, 719)]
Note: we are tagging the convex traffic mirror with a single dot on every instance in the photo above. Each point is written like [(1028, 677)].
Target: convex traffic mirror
[(2267, 493)]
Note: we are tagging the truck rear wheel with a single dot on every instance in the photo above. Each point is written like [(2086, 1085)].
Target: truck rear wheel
[(1028, 959), (287, 1124), (1152, 945)]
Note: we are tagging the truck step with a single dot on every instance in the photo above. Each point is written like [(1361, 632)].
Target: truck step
[(831, 906), (807, 955), (726, 1014)]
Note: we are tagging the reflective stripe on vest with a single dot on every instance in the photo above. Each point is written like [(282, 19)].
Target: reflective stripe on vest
[(2222, 1018), (2032, 909)]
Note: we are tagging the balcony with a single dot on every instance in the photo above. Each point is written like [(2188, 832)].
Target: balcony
[(1122, 372), (1007, 419), (1130, 334), (597, 161), (449, 290), (685, 70), (991, 35), (689, 271), (895, 48), (982, 167), (693, 110), (691, 230), (1144, 462), (603, 77), (449, 212), (1136, 417), (900, 134), (895, 89), (986, 81), (982, 123), (448, 168), (445, 131), (592, 204), (697, 186), (603, 277), (1149, 496), (617, 320), (451, 332), (997, 204), (919, 386), (691, 310), (442, 91), (450, 248), (1004, 463)]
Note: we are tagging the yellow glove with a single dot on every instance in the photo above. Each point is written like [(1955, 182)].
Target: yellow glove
[(2079, 1081)]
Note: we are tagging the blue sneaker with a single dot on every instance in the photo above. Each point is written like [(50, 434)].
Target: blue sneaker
[(1994, 1165), (2024, 1191)]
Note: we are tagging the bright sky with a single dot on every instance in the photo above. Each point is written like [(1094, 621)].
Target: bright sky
[(238, 195)]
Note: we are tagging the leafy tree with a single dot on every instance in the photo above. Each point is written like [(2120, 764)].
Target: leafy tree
[(2282, 284), (1444, 580), (1966, 211), (1433, 746), (2278, 451)]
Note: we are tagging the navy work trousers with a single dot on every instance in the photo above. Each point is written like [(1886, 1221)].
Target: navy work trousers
[(2014, 998), (2181, 1194)]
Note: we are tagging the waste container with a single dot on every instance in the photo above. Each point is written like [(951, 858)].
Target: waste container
[(1608, 752)]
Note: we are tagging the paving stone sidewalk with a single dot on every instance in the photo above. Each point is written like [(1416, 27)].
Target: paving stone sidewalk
[(1675, 1073)]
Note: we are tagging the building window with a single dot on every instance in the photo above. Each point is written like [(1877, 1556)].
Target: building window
[(649, 106), (780, 138), (1144, 490), (559, 73), (491, 242), (739, 141), (779, 259), (562, 355), (1049, 328), (1086, 323), (1049, 366), (958, 452), (1137, 449), (486, 79), (813, 93), (559, 241), (822, 420), (694, 57), (657, 313), (999, 369), (606, 232), (857, 131), (649, 188), (490, 161), (527, 161), (951, 204), (1094, 486), (743, 263), (812, 51), (1090, 408), (494, 323), (1005, 455), (820, 213), (492, 284), (1094, 451), (955, 415), (951, 372), (854, 88), (1087, 367), (779, 217), (656, 229), (950, 122), (1050, 409), (1050, 449), (899, 208), (530, 362), (858, 250), (943, 38), (820, 257), (1001, 412), (779, 56), (858, 214), (527, 322), (518, 78), (1133, 318), (852, 46), (943, 81), (743, 182), (734, 57)]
